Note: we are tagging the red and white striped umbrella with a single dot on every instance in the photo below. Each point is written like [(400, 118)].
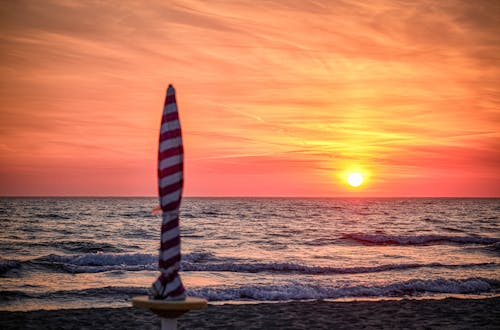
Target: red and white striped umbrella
[(170, 181)]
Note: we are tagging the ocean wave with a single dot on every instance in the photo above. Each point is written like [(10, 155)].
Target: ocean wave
[(494, 247), (102, 292), (382, 239), (416, 287), (85, 246), (6, 265), (110, 259), (286, 291), (202, 261), (9, 295), (91, 293), (100, 259), (52, 216), (99, 262), (67, 245), (321, 241), (316, 270), (103, 262)]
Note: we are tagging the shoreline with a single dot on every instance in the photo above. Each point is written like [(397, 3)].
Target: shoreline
[(448, 313)]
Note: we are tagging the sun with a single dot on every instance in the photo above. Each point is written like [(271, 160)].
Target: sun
[(355, 179)]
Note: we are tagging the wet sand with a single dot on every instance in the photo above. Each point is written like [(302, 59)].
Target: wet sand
[(450, 313)]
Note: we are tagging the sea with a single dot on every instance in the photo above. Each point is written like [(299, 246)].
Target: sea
[(59, 253)]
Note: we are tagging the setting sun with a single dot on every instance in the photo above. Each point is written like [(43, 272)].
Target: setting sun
[(355, 179)]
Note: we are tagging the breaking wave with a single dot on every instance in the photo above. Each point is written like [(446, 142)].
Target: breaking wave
[(289, 291), (103, 262), (316, 270), (201, 261), (414, 287), (382, 239)]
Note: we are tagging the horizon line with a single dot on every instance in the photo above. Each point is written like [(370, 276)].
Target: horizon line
[(228, 196)]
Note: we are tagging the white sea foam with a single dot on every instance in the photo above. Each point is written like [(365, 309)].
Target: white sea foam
[(414, 287)]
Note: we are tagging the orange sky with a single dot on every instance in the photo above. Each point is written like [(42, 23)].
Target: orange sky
[(277, 98)]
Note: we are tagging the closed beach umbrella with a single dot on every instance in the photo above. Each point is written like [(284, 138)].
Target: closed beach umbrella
[(170, 182)]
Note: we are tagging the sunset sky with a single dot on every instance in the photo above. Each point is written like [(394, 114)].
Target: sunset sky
[(276, 98)]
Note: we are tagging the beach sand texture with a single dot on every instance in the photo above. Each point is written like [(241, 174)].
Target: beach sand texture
[(450, 313)]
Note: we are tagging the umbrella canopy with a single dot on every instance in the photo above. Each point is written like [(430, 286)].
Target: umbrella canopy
[(170, 182)]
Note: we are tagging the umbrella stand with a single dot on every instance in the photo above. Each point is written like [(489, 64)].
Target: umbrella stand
[(169, 310), (168, 299)]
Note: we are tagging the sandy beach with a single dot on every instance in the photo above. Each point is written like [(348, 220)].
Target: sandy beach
[(448, 313)]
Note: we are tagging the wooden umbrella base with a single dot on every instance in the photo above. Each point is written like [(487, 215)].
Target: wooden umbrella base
[(169, 310)]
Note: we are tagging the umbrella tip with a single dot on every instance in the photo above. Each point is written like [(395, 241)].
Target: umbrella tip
[(170, 89)]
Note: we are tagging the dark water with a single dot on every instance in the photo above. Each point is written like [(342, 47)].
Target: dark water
[(79, 252)]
